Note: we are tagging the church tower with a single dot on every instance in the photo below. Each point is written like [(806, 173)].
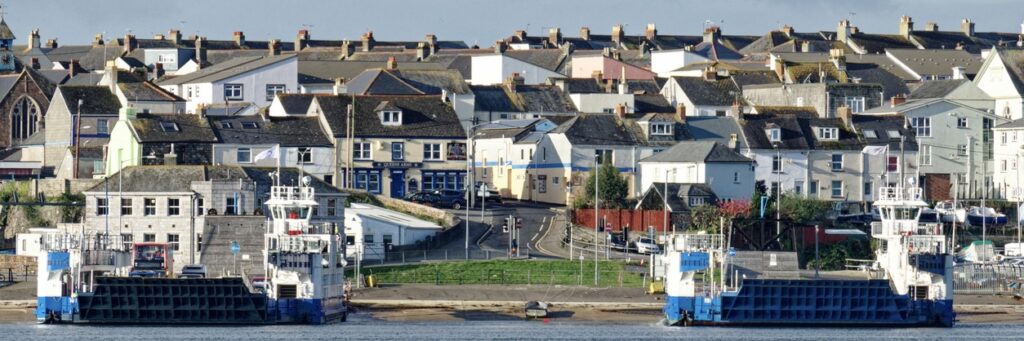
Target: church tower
[(6, 45)]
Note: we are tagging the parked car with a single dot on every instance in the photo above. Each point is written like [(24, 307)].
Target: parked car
[(193, 271), (491, 195), (425, 198), (451, 199), (646, 245)]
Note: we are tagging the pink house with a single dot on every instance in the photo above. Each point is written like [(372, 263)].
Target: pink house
[(610, 68)]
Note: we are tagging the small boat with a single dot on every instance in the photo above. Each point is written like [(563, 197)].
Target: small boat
[(536, 309), (948, 213), (976, 216), (929, 216), (849, 212)]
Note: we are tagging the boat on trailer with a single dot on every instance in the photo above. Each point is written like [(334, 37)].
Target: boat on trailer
[(909, 284), (92, 280)]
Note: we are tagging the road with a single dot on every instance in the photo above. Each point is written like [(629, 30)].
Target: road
[(536, 219)]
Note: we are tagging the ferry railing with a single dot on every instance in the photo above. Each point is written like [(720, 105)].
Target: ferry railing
[(988, 279), (314, 228), (291, 193), (926, 244), (899, 193), (621, 278)]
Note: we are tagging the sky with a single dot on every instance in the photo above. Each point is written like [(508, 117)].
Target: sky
[(482, 21)]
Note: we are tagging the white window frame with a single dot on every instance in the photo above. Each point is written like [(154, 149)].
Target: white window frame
[(856, 103), (774, 134), (961, 150), (962, 123), (274, 89), (922, 126), (175, 242), (234, 92), (173, 206), (432, 152), (836, 166), (102, 126), (102, 206), (362, 151), (926, 155), (147, 209), (840, 188), (828, 134), (777, 162), (243, 151), (661, 129)]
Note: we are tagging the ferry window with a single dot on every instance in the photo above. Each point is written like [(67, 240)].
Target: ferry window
[(149, 206), (173, 240), (332, 207), (173, 206), (230, 206), (126, 206), (148, 238), (101, 206), (350, 240)]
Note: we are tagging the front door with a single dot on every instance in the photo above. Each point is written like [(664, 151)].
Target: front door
[(398, 183)]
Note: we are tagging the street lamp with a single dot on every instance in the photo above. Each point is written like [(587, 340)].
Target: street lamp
[(470, 180), (778, 190), (597, 186)]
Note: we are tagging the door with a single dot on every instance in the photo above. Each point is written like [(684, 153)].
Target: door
[(398, 183)]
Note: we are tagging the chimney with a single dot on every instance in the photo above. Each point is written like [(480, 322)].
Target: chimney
[(34, 64), (175, 36), (710, 73), (158, 36), (239, 38), (898, 99), (854, 30), (422, 51), (51, 43), (431, 41), (301, 40), (620, 111), (513, 81), (129, 43), (200, 51), (959, 45), (368, 41), (585, 33), (681, 112), (275, 47), (520, 34), (734, 142), (110, 73), (500, 46), (967, 27), (597, 75), (906, 26), (97, 41), (737, 109), (158, 70), (959, 72), (845, 115), (712, 34), (651, 32), (339, 86), (806, 46), (392, 63), (609, 85), (843, 31), (787, 30), (931, 26), (33, 39), (838, 58), (347, 49), (617, 34), (554, 36), (74, 68), (171, 158)]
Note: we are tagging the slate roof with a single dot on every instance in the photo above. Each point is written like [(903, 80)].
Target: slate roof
[(7, 83), (295, 104), (179, 178), (1014, 61), (192, 128), (652, 103), (679, 191), (96, 100), (720, 92), (881, 124), (745, 78), (286, 131), (715, 128), (796, 125), (325, 72), (698, 151), (550, 59), (936, 88), (715, 51), (146, 91), (227, 69), (593, 86), (5, 31), (872, 73), (526, 98), (408, 82), (422, 116), (972, 44), (877, 43), (936, 62), (597, 129)]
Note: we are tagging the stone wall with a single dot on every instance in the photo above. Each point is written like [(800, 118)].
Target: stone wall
[(17, 265), (440, 216), (56, 187)]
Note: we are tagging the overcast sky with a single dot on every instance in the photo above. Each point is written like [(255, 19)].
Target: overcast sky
[(482, 21)]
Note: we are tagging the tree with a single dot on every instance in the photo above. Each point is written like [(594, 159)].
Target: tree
[(804, 210), (709, 217), (614, 188)]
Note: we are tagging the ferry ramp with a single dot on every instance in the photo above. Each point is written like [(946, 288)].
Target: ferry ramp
[(218, 235), (765, 264)]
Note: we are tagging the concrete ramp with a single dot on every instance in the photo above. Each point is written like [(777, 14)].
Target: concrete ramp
[(220, 232), (766, 264)]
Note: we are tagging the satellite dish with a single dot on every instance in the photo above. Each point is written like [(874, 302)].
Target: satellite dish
[(306, 180), (911, 180)]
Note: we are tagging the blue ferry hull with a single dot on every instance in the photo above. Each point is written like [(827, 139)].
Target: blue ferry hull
[(810, 303)]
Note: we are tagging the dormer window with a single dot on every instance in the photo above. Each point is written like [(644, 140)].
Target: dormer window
[(868, 133), (893, 134), (391, 118), (169, 127), (828, 134), (661, 129), (249, 125), (774, 134)]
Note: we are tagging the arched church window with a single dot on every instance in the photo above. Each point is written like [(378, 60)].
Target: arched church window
[(24, 118)]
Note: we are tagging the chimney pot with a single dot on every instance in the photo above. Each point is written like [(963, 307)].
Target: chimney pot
[(368, 41), (33, 39), (500, 46), (130, 44), (734, 142), (175, 36), (275, 47), (554, 36), (585, 33), (620, 111), (617, 34), (35, 63), (51, 43), (967, 27), (521, 35), (513, 81), (651, 32), (898, 99), (239, 38), (200, 51), (906, 26), (392, 63), (712, 34), (681, 112), (97, 40), (931, 27), (787, 30)]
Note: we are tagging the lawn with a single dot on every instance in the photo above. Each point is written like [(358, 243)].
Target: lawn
[(507, 272)]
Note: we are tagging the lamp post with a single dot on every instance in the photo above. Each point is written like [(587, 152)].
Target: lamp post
[(597, 186), (778, 190), (470, 182)]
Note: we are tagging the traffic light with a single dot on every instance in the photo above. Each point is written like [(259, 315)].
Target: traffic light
[(519, 223), (508, 222)]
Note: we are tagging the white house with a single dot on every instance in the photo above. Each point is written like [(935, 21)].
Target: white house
[(374, 230), (495, 68), (704, 96), (254, 80), (729, 174), (1006, 175), (254, 141), (1001, 78)]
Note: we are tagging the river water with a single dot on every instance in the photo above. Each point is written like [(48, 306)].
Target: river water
[(367, 329)]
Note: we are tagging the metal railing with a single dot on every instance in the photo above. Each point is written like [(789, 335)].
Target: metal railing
[(988, 279), (584, 277), (372, 257), (10, 276)]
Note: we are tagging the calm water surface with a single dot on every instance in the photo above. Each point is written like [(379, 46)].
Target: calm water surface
[(359, 328)]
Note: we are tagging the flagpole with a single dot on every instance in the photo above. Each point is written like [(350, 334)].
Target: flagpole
[(278, 149)]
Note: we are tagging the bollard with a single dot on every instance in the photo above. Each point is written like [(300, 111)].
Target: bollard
[(445, 254), (403, 257)]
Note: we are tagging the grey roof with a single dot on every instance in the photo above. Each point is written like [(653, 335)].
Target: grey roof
[(407, 82), (179, 178), (936, 62), (715, 51), (873, 73), (698, 151), (96, 100), (594, 86), (295, 104), (745, 78), (133, 62), (715, 128), (88, 78), (525, 98), (192, 128), (653, 103), (422, 116), (285, 131), (1014, 60), (550, 59), (973, 44), (146, 91), (797, 128), (881, 124), (878, 43), (677, 192), (227, 69), (5, 31), (720, 92), (325, 72), (596, 129), (936, 88), (1011, 125), (7, 83)]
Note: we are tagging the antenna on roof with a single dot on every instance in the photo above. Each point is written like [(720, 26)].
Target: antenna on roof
[(2, 12)]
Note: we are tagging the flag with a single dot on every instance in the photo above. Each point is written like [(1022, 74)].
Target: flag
[(269, 153), (874, 150)]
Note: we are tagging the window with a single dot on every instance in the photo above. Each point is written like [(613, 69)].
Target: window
[(243, 155), (837, 162), (603, 156), (361, 151), (172, 238), (828, 134), (387, 239), (304, 155), (542, 184), (173, 206), (250, 125), (329, 179), (926, 155), (367, 239), (868, 133), (393, 118), (554, 180), (608, 110), (774, 189), (126, 206), (867, 189), (332, 207), (837, 189), (200, 206), (233, 92), (856, 104), (961, 150), (661, 129), (1002, 165), (735, 177), (961, 122), (273, 90), (148, 238), (893, 134), (922, 126), (544, 153), (101, 206), (126, 241), (368, 181), (148, 206), (696, 201), (813, 189), (432, 151), (101, 127), (776, 164), (225, 125), (169, 127), (797, 187), (1002, 138), (230, 206), (397, 151), (199, 242), (774, 134), (893, 164), (1013, 137)]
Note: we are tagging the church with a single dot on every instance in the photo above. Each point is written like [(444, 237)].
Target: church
[(24, 98)]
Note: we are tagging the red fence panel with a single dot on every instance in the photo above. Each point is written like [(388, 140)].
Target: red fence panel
[(636, 220)]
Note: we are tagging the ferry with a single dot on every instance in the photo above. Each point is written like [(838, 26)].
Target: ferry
[(91, 280), (909, 284)]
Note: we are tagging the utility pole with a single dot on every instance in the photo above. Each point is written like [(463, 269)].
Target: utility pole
[(597, 194), (78, 133)]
